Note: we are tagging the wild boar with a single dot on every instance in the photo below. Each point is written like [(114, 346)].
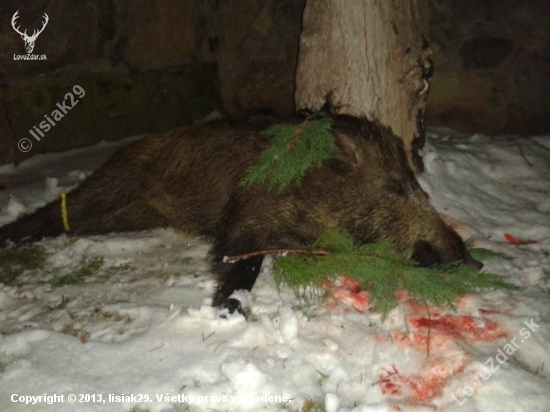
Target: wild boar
[(189, 178)]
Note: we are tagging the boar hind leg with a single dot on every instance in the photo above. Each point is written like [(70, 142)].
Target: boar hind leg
[(138, 215), (85, 216)]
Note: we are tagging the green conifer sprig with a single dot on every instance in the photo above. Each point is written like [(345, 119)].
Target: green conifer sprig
[(381, 271), (294, 149)]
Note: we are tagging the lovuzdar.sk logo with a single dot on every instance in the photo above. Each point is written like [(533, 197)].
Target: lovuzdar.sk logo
[(29, 40)]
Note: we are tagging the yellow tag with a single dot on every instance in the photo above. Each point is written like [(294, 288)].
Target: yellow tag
[(64, 215)]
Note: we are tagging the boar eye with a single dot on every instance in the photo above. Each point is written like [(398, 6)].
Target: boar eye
[(425, 254), (395, 187)]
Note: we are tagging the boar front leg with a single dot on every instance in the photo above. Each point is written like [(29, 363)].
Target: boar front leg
[(240, 275)]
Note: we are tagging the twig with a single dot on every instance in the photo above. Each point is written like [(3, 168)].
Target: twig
[(522, 154), (428, 340), (157, 348), (385, 378), (219, 342), (204, 338), (235, 258), (290, 145)]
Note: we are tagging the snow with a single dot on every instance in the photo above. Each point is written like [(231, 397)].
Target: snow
[(139, 334)]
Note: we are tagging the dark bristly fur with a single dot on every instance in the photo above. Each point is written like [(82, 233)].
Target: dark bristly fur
[(188, 179)]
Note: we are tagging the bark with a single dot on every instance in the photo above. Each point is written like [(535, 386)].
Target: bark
[(368, 58)]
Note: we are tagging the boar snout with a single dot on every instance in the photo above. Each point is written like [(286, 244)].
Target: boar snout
[(430, 254)]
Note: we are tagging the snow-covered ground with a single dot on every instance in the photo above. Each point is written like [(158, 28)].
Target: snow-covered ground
[(139, 333)]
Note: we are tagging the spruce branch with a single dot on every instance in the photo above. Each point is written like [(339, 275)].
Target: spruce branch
[(381, 271), (294, 149)]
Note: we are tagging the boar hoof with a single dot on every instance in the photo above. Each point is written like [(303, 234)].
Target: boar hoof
[(234, 305)]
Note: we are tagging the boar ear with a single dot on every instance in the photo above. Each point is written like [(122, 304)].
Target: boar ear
[(350, 154)]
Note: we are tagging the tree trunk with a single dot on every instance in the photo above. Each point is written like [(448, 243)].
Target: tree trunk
[(368, 58)]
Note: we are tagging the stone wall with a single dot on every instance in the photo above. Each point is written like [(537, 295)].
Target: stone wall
[(258, 54), (149, 65), (144, 65), (492, 66)]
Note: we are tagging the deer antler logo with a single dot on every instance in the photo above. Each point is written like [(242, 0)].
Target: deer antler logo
[(29, 40)]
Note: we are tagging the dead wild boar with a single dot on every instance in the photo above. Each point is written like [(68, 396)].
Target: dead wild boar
[(189, 179)]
